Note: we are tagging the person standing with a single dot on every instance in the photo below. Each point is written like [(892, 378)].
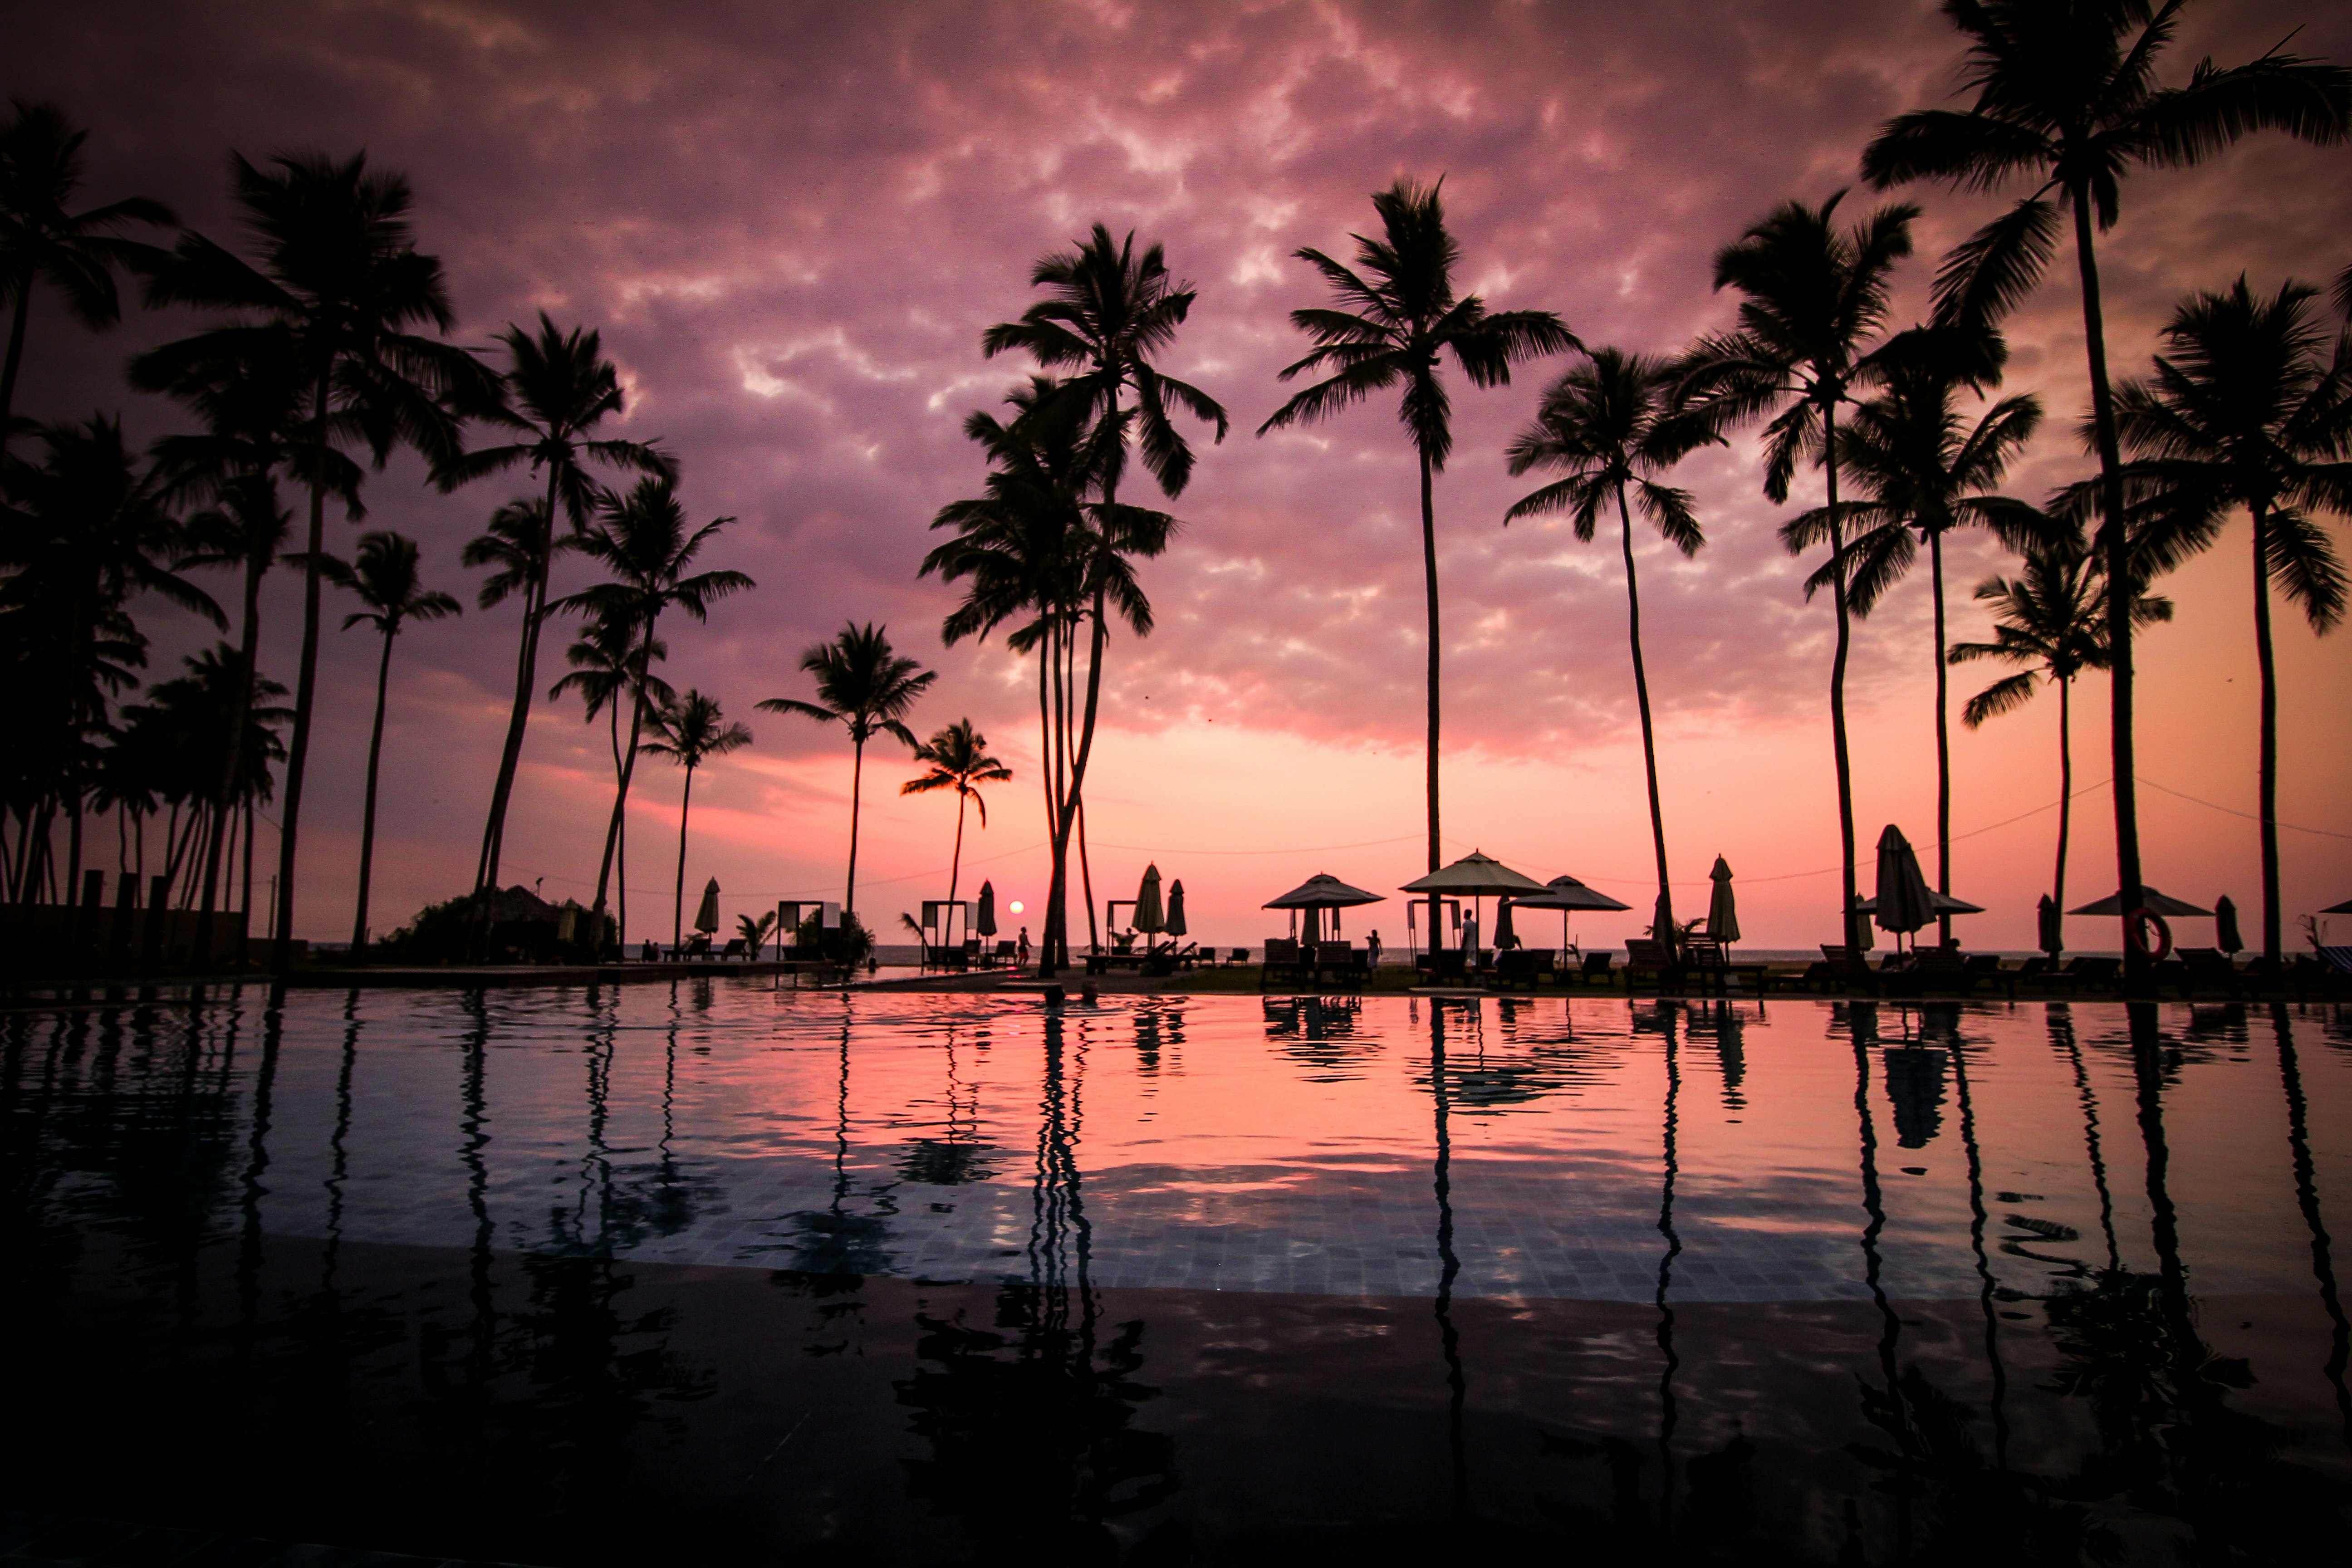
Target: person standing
[(1372, 947), (1024, 948)]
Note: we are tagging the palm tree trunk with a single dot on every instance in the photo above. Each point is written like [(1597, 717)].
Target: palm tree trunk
[(306, 689), (2065, 795), (2267, 768), (245, 902), (1943, 741), (857, 798), (1837, 679), (1428, 577), (367, 812), (534, 608), (2121, 591), (1665, 913), (621, 850), (955, 862), (233, 752), (16, 354), (677, 904), (620, 802), (1047, 774)]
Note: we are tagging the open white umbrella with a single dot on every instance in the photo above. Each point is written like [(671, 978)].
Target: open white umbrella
[(705, 915), (1722, 910), (1475, 876), (1904, 902)]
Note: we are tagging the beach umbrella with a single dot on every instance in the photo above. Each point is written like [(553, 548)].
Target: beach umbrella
[(2343, 908), (2051, 926), (1566, 893), (1323, 891), (2150, 899), (2225, 925), (1905, 904), (1176, 908), (706, 917), (1942, 903), (1722, 910), (1475, 876), (1149, 915), (1866, 934), (1504, 935), (986, 922)]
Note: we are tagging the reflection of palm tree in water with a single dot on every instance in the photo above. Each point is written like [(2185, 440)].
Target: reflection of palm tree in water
[(1449, 1266), (1669, 1362), (1861, 1020), (833, 1240), (1949, 1022), (2060, 1021), (2307, 1193), (257, 1163)]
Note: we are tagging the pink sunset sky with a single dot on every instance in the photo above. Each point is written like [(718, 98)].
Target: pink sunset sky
[(792, 225)]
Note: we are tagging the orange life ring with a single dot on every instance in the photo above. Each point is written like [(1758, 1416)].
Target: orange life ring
[(2136, 927)]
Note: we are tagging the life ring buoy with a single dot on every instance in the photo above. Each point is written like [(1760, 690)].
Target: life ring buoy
[(2136, 927)]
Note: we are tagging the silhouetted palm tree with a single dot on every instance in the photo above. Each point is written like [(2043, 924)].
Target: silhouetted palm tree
[(91, 528), (865, 687), (41, 242), (2053, 619), (1926, 471), (1108, 313), (383, 576), (1815, 297), (171, 746), (609, 664), (2065, 95), (559, 386), (1399, 317), (2248, 409), (641, 539), (339, 270), (1605, 425), (959, 759), (690, 731)]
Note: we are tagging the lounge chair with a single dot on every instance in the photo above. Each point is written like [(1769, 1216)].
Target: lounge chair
[(2210, 969), (1595, 969), (1238, 955), (1520, 967), (1842, 969), (1282, 962), (736, 949)]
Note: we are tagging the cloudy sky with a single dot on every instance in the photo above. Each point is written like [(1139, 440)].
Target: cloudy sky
[(792, 225)]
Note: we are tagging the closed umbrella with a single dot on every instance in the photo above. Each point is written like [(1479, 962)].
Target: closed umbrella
[(1904, 903), (1176, 908), (1504, 935), (1149, 916), (986, 922), (706, 916), (2051, 926), (1722, 910), (2225, 925)]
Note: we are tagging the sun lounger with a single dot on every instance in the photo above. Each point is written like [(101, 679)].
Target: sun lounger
[(1520, 968), (2210, 969), (1594, 971)]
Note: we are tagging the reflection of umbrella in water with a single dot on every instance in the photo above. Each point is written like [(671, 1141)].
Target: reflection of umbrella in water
[(986, 923), (1175, 924), (1904, 902), (706, 916), (1915, 1082), (2225, 925), (1722, 910), (1566, 894)]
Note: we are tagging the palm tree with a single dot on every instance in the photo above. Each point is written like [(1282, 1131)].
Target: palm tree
[(609, 664), (2052, 619), (1106, 314), (1610, 424), (90, 529), (40, 241), (866, 688), (339, 270), (1399, 316), (1815, 295), (559, 386), (1926, 471), (383, 576), (958, 759), (2248, 409), (690, 731), (2066, 95), (641, 539)]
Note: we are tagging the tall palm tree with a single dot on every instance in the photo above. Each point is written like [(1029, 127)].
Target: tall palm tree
[(610, 665), (690, 731), (559, 386), (338, 269), (1106, 314), (90, 529), (40, 241), (958, 758), (866, 689), (2053, 620), (641, 539), (1033, 548), (2066, 95), (1399, 317), (1607, 425), (1925, 470), (1815, 297), (2250, 408), (382, 577)]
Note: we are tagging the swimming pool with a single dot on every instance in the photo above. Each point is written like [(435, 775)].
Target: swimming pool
[(711, 1272)]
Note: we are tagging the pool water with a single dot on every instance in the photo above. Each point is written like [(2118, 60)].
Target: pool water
[(710, 1272)]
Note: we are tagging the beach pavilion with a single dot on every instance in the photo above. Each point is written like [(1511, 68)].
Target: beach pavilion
[(1474, 876), (1321, 892)]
